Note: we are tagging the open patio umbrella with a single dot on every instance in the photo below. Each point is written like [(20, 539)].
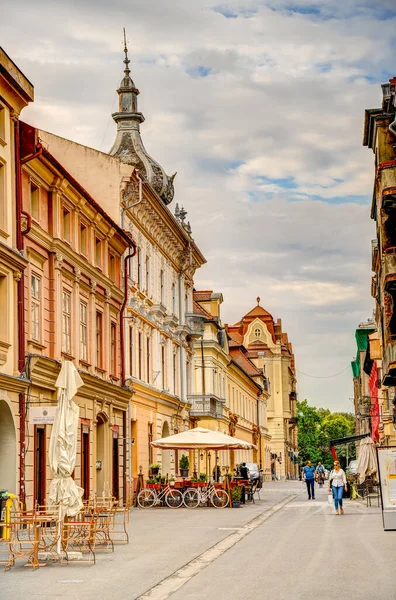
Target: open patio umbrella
[(367, 461), (63, 491), (199, 437)]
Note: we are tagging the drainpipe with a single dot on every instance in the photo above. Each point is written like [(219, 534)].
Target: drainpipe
[(259, 432), (20, 316)]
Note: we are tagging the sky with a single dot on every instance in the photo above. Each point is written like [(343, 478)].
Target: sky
[(259, 107)]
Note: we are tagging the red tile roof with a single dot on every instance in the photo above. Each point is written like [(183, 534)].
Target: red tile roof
[(202, 295), (197, 309), (244, 363)]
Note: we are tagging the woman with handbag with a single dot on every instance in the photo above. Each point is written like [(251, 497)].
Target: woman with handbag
[(337, 484)]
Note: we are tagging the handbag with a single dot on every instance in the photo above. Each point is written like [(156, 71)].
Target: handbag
[(330, 499)]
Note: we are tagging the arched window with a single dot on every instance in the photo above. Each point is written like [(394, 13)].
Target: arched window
[(257, 332)]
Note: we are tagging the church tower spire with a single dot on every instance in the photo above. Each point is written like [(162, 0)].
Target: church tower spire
[(128, 145)]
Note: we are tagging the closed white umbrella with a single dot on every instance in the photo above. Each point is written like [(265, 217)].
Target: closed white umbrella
[(64, 493), (199, 437), (367, 461)]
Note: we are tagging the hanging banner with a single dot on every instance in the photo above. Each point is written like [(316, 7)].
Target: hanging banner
[(386, 457)]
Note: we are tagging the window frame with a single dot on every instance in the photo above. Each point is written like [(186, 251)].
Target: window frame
[(66, 322), (35, 305), (83, 331), (99, 339)]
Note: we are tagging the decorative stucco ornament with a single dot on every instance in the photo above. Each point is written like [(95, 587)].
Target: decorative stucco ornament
[(128, 145)]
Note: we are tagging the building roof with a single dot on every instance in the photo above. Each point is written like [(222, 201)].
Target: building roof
[(15, 77), (199, 310), (202, 295), (243, 362)]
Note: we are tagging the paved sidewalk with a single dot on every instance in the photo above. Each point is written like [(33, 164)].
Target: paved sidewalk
[(161, 541)]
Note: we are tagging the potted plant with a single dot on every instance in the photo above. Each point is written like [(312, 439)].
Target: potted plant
[(202, 480), (154, 469), (184, 465), (236, 494), (152, 483)]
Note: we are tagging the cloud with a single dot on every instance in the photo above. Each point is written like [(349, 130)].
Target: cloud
[(258, 105)]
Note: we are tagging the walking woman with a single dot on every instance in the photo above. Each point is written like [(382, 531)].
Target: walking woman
[(338, 483)]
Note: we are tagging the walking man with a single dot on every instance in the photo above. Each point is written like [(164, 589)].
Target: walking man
[(309, 477)]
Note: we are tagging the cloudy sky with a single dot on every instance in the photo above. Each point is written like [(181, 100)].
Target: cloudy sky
[(258, 105)]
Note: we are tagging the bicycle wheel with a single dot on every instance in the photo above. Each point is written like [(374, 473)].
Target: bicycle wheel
[(146, 498), (191, 498), (219, 499), (174, 499)]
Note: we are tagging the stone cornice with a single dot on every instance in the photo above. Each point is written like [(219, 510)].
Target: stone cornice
[(12, 258), (13, 384)]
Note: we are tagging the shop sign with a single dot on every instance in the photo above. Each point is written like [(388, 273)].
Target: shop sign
[(42, 415)]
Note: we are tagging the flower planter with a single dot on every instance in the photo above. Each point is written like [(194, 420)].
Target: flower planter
[(154, 486), (236, 504), (183, 472)]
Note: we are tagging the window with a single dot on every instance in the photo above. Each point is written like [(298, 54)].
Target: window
[(162, 278), (163, 366), (147, 275), (2, 123), (386, 400), (174, 298), (148, 359), (66, 322), (34, 201), (140, 349), (83, 239), (66, 225), (186, 303), (175, 373), (99, 340), (35, 308), (98, 252), (139, 273), (257, 332), (83, 332), (131, 351), (3, 203), (113, 349), (112, 266)]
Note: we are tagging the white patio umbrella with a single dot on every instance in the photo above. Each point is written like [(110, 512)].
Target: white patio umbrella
[(63, 491), (367, 461), (199, 437)]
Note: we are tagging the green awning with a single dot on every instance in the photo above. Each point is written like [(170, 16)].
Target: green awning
[(355, 364)]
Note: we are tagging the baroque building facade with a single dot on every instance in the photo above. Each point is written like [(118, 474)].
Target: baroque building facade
[(268, 348), (159, 327), (230, 393), (16, 92)]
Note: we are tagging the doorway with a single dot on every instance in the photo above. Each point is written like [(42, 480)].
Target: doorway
[(134, 446), (39, 465), (100, 454), (85, 461), (8, 450), (116, 466)]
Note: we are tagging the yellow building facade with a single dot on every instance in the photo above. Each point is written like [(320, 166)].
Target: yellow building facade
[(230, 393)]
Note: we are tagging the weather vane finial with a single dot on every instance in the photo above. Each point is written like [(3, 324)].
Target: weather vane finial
[(126, 59), (258, 300)]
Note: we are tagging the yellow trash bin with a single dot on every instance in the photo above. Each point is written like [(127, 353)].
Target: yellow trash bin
[(7, 516)]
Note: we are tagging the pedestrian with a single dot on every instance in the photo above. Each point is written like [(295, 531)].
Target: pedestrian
[(337, 484), (309, 478)]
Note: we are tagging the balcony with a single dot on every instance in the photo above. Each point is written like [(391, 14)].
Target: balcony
[(389, 364), (206, 406), (193, 326), (389, 192), (389, 269)]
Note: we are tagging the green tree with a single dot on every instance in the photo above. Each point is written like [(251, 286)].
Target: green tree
[(316, 427)]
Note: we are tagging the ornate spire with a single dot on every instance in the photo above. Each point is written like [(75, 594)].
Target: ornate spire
[(128, 145)]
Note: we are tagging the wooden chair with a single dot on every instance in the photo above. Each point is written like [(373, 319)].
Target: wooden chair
[(79, 536)]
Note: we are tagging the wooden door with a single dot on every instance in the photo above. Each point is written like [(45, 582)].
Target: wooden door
[(39, 465)]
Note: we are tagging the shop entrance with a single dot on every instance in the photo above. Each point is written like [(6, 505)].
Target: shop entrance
[(85, 462), (8, 450), (166, 454), (116, 466), (39, 465)]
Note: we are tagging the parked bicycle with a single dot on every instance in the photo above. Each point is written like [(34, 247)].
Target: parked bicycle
[(147, 498), (193, 497)]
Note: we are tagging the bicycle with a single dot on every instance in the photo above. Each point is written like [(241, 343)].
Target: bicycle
[(147, 498), (192, 497)]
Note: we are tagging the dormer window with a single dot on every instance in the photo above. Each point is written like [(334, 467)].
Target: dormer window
[(257, 332)]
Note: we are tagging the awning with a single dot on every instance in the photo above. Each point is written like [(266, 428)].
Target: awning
[(202, 438)]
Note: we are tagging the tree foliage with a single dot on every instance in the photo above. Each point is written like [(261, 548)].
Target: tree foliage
[(316, 427)]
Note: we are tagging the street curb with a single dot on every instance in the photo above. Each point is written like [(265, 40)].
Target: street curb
[(169, 585)]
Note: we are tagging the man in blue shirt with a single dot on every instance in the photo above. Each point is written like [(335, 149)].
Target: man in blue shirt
[(309, 477)]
